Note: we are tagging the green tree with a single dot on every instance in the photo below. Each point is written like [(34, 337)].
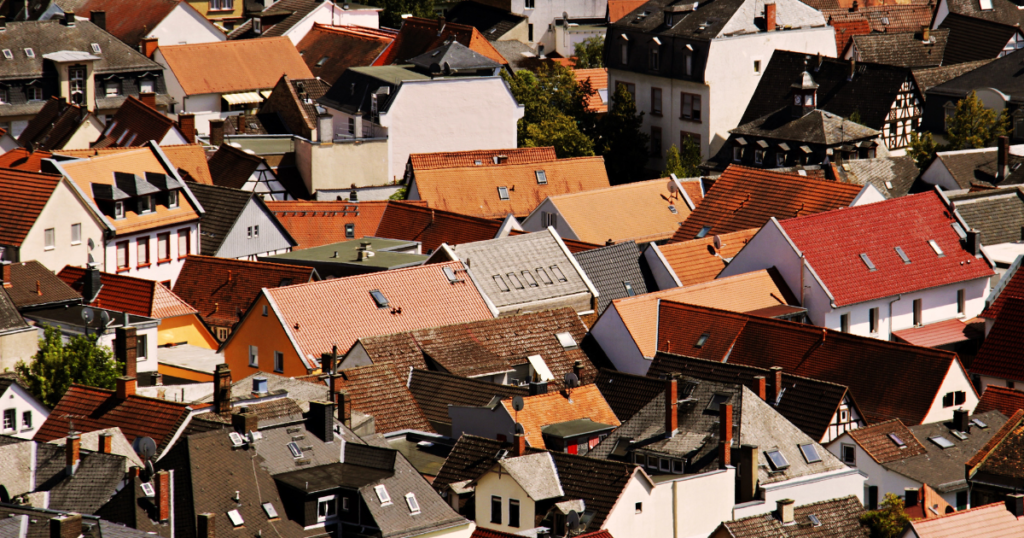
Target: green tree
[(561, 132), (391, 16), (58, 364), (855, 117), (590, 53), (623, 143), (685, 163), (400, 194), (974, 126), (922, 148), (555, 111), (888, 521)]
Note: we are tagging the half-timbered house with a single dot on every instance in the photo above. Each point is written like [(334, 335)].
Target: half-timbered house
[(242, 169)]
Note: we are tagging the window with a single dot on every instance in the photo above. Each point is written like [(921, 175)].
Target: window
[(122, 255), (414, 505), (959, 397), (542, 177), (629, 288), (4, 98), (935, 247), (544, 275), (278, 362), (76, 234), (222, 5), (118, 210), (257, 25), (528, 277), (715, 405), (112, 88), (141, 347), (26, 420), (378, 297), (96, 48), (985, 4), (143, 254), (503, 193), (550, 219), (737, 153), (655, 58), (49, 236), (326, 508), (269, 509), (256, 231), (344, 504), (897, 441), (780, 159), (352, 126), (867, 261), (844, 415), (947, 400), (350, 230), (9, 417), (810, 453), (757, 67), (701, 340), (849, 453), (844, 323), (566, 340), (917, 312), (903, 255), (638, 508), (8, 54), (529, 4), (776, 460), (941, 441), (295, 450), (516, 283), (183, 243), (254, 356), (529, 30), (513, 513), (703, 232), (656, 142), (501, 283), (960, 301), (146, 86), (496, 509), (873, 320), (248, 232), (163, 247), (690, 107), (34, 94), (558, 273), (145, 204), (30, 53), (655, 101), (76, 76), (631, 88), (172, 199)]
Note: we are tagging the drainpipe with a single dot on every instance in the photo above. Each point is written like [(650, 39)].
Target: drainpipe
[(803, 267), (898, 297)]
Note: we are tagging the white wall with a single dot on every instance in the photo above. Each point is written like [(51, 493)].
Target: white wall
[(535, 221), (956, 380), (88, 132), (877, 475), (806, 490), (156, 271), (22, 402), (699, 503), (328, 13), (836, 426), (544, 14), (656, 506), (184, 25), (496, 483), (938, 174), (62, 210), (663, 274), (617, 343)]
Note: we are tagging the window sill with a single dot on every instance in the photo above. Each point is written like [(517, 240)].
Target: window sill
[(254, 366), (163, 262), (123, 269), (143, 265), (76, 243), (690, 120), (47, 249)]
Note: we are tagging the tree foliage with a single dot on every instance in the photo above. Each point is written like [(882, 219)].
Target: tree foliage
[(590, 53), (974, 126), (391, 16), (685, 163), (889, 520), (58, 364), (623, 143), (922, 149), (555, 111), (561, 132)]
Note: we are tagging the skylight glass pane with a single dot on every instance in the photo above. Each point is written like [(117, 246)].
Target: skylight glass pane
[(501, 283), (566, 340), (867, 261), (959, 230), (935, 247), (270, 510), (716, 402), (703, 339), (629, 288), (703, 231), (896, 439), (528, 277), (810, 453), (959, 434), (378, 297), (777, 460), (503, 193), (941, 441), (543, 275), (903, 255), (542, 177), (295, 450), (236, 518), (30, 53), (814, 520), (96, 48), (414, 505), (558, 273), (8, 54), (978, 422), (515, 281), (449, 274), (382, 494)]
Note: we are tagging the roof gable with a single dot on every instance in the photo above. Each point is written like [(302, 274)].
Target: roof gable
[(227, 66), (645, 211), (25, 194), (53, 125), (130, 22), (698, 260), (419, 35), (134, 124), (223, 206), (988, 521), (130, 294), (877, 440), (343, 47)]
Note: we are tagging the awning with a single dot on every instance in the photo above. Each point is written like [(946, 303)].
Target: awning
[(242, 98), (540, 368)]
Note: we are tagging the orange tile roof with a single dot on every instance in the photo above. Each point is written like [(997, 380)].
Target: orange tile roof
[(431, 227), (234, 66), (23, 159), (460, 159), (1006, 400), (421, 35), (340, 311), (631, 212), (189, 158), (473, 191), (989, 521), (598, 78), (130, 294), (100, 170), (620, 8), (22, 198), (313, 224), (740, 293), (694, 190), (846, 29), (555, 407), (694, 262)]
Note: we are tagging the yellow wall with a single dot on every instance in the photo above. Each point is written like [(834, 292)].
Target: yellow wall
[(187, 329), (267, 334), (203, 7), (65, 82), (182, 373), (504, 486)]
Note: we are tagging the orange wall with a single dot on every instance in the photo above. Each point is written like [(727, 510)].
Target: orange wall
[(186, 329), (198, 377), (267, 334)]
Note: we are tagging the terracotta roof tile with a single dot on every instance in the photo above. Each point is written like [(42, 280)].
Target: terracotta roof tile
[(1006, 400), (554, 407), (134, 124), (379, 392), (989, 521), (423, 293), (344, 47), (889, 18), (220, 288), (130, 294), (697, 260), (232, 167), (431, 227), (24, 196), (1011, 286), (876, 442), (999, 355), (32, 284), (53, 126), (314, 224), (645, 211), (474, 191), (951, 331), (227, 66), (421, 35), (744, 198), (461, 159), (838, 518), (864, 230), (598, 78), (23, 159), (189, 158), (617, 9), (846, 29)]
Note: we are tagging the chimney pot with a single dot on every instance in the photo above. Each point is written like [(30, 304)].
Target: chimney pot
[(66, 526), (1015, 504), (72, 453), (187, 126), (725, 435), (9, 284), (106, 443), (125, 387), (671, 400), (91, 283), (163, 495), (784, 510), (222, 389), (259, 386), (577, 368), (148, 99), (216, 132), (974, 242), (69, 19), (769, 17), (99, 18), (926, 33), (240, 124), (910, 497)]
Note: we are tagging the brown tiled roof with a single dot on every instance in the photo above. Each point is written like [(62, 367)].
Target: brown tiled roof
[(314, 224), (626, 393), (1011, 286), (35, 285), (227, 66), (232, 167), (930, 504), (554, 407), (474, 190), (461, 159), (1007, 436), (950, 331), (744, 198), (380, 393), (598, 78), (1006, 400), (999, 355), (130, 21), (620, 8), (24, 196), (889, 18), (928, 78), (189, 158), (988, 521), (220, 289), (905, 49), (134, 124), (839, 518), (134, 295), (344, 47), (431, 227), (93, 409), (696, 260), (23, 159), (876, 442), (435, 391), (53, 125), (418, 36)]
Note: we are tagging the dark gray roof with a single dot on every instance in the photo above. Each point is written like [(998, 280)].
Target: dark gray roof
[(435, 391), (943, 469), (1004, 11), (997, 213), (905, 49), (816, 127), (451, 58), (91, 486), (39, 524), (223, 206), (53, 125), (972, 39), (608, 268), (45, 37), (626, 393), (513, 51), (893, 176), (1001, 74), (930, 77), (978, 167), (492, 22)]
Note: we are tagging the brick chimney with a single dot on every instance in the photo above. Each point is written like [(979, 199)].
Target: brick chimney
[(748, 473), (240, 124), (148, 99), (671, 399), (1002, 158), (518, 445), (344, 406), (72, 453), (205, 527), (66, 526), (69, 19), (126, 350), (216, 132), (724, 435), (187, 126), (99, 18), (222, 389), (776, 384), (148, 46), (106, 443), (759, 387), (125, 387), (320, 420), (163, 495), (769, 17), (9, 284), (245, 421)]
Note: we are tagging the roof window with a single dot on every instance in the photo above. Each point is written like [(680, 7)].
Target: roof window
[(566, 340), (779, 397), (528, 277), (236, 518), (867, 261), (478, 162), (978, 422), (941, 441), (903, 255), (285, 282), (703, 231), (8, 54), (379, 298), (30, 53), (703, 339), (629, 288), (542, 177), (896, 439), (777, 461), (236, 439), (350, 230), (516, 283), (501, 283), (96, 48), (414, 505), (935, 247), (558, 274), (959, 434), (269, 509), (295, 450), (544, 275), (382, 494), (815, 522), (503, 193), (449, 273), (147, 489), (715, 405), (321, 61), (985, 4), (810, 453), (673, 209)]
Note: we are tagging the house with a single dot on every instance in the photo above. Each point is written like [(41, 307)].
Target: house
[(139, 199), (924, 48), (616, 271), (994, 83), (329, 50), (293, 101), (318, 223), (688, 262), (983, 167), (296, 18), (1005, 400), (223, 289), (745, 198), (189, 158), (213, 80), (152, 23), (137, 122), (834, 517), (19, 341), (75, 60), (348, 258), (465, 106), (892, 176), (232, 221), (884, 97), (627, 330), (528, 273), (23, 414), (550, 28), (999, 11), (918, 385), (991, 520), (646, 211), (702, 64), (928, 78), (235, 168), (493, 22), (179, 322), (999, 215), (31, 286), (972, 39), (418, 36), (40, 520), (434, 391), (224, 14), (876, 282), (993, 469), (59, 125), (377, 303)]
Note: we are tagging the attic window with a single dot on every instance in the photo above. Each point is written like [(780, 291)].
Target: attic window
[(777, 460), (867, 261), (542, 177), (501, 283), (321, 61), (896, 439), (985, 4), (96, 48), (414, 505), (941, 441), (703, 231), (515, 281), (935, 247), (566, 340), (978, 422), (629, 288), (715, 405), (236, 518), (382, 494), (378, 297), (558, 274), (295, 450), (269, 509), (702, 340), (528, 277), (30, 53), (903, 255), (285, 282), (503, 193), (8, 54), (810, 453)]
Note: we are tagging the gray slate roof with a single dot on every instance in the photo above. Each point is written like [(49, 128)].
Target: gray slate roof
[(88, 489), (1001, 74), (609, 267), (513, 51), (492, 22), (713, 18), (626, 393), (452, 56), (536, 474), (816, 127), (929, 77), (892, 176), (997, 213), (905, 49), (978, 167), (435, 391)]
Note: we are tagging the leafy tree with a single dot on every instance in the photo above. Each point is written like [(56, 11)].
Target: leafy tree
[(623, 143), (590, 53), (57, 365), (561, 132), (400, 194), (391, 17), (855, 117), (888, 521), (922, 148), (555, 111), (685, 163), (974, 126)]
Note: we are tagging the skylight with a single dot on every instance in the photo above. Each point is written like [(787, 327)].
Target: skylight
[(815, 522), (96, 48), (558, 274), (8, 54), (941, 441), (779, 397), (959, 434), (629, 288), (903, 255), (382, 494), (528, 277), (896, 439), (978, 422), (959, 230), (515, 281), (321, 61), (703, 231), (147, 489), (810, 453), (501, 283), (542, 177), (703, 339), (378, 297), (236, 518), (673, 209), (777, 460), (935, 247), (270, 510), (544, 275), (236, 439), (867, 261), (449, 274), (414, 505), (715, 405), (503, 193), (566, 340), (30, 53), (985, 4), (295, 450)]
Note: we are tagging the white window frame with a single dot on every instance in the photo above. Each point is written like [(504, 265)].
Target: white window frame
[(328, 501), (172, 199), (76, 234), (118, 210), (412, 503), (145, 202), (49, 239), (382, 494), (254, 356)]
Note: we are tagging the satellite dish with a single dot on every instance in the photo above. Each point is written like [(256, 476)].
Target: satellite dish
[(92, 245), (571, 380), (573, 521), (671, 187), (104, 319), (519, 429), (145, 447), (717, 241), (92, 261), (517, 403), (149, 471), (87, 315)]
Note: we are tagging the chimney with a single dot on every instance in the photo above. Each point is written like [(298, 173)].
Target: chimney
[(156, 379), (216, 132), (910, 497), (776, 384), (148, 99), (3, 24), (769, 17), (325, 129), (163, 495), (724, 435), (577, 368), (72, 453), (126, 349), (148, 46), (926, 33), (91, 283), (106, 444), (245, 421), (538, 387), (760, 387), (853, 8), (240, 124), (125, 387), (68, 20), (671, 397), (1002, 158), (187, 126), (518, 445), (748, 473), (205, 526), (66, 526), (320, 420), (222, 389), (344, 407), (784, 511), (99, 18), (974, 242), (259, 386), (1015, 504), (9, 284), (962, 420)]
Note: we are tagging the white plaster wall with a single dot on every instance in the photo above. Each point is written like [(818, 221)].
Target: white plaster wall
[(17, 345), (494, 483), (877, 475), (328, 13), (940, 13), (22, 402), (565, 42), (544, 13), (7, 143), (701, 502), (956, 380), (337, 166), (362, 17), (158, 272), (87, 133), (669, 121), (807, 490), (63, 209), (458, 114), (617, 343), (868, 195), (938, 174), (653, 519), (184, 25), (173, 138), (535, 221)]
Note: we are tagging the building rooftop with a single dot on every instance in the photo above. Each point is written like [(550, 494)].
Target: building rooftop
[(137, 296), (329, 50), (25, 196), (988, 521), (435, 391), (35, 286), (615, 271), (387, 254), (226, 66), (134, 124), (484, 157), (997, 213), (892, 176), (698, 260), (1005, 400), (836, 517), (880, 441), (419, 35), (904, 49)]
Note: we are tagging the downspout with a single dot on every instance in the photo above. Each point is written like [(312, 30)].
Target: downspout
[(675, 511), (803, 268), (898, 297)]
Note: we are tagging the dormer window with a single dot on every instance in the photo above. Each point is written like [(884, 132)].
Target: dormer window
[(118, 210), (145, 204), (112, 88), (172, 199), (146, 86)]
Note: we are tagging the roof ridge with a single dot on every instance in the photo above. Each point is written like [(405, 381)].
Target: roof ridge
[(515, 165), (112, 392), (357, 278), (995, 442), (624, 186)]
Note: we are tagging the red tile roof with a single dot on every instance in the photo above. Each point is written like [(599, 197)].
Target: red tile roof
[(620, 8), (189, 158), (431, 227), (950, 331), (1005, 400), (999, 355), (381, 392), (220, 289), (130, 21), (877, 229), (24, 194), (876, 442), (1011, 285), (559, 406), (598, 78), (94, 409), (421, 35), (314, 224), (846, 29), (460, 159), (889, 380), (227, 66), (890, 18), (130, 294), (744, 198), (23, 159), (134, 124), (344, 47), (989, 521)]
